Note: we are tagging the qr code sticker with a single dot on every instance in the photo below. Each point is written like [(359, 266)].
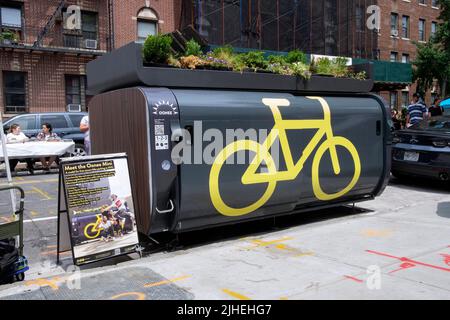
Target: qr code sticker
[(159, 129)]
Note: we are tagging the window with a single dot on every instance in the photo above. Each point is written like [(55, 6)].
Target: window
[(145, 28), (147, 24), (57, 121), (405, 99), (394, 56), (393, 97), (89, 25), (434, 3), (424, 2), (76, 119), (394, 24), (14, 91), (74, 90), (405, 27), (421, 30), (89, 31), (433, 29), (405, 58), (25, 122), (11, 17)]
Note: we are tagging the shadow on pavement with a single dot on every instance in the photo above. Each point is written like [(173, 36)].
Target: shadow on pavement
[(443, 209), (198, 238), (421, 184)]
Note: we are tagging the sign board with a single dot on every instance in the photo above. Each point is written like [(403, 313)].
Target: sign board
[(96, 218)]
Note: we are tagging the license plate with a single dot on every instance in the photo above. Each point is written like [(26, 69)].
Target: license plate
[(411, 156)]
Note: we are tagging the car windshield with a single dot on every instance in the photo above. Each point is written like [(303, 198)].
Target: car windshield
[(435, 124)]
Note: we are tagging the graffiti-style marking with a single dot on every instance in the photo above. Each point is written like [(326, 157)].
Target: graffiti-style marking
[(407, 260), (354, 279), (52, 283), (446, 258), (403, 266), (235, 294), (373, 233), (160, 283), (136, 295), (273, 176)]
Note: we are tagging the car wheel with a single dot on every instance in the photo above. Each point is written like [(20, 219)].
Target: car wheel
[(79, 151)]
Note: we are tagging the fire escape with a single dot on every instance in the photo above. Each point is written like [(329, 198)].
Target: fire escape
[(50, 24)]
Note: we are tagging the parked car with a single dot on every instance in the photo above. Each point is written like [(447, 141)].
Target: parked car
[(423, 150), (65, 124)]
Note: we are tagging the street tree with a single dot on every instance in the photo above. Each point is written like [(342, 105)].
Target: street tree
[(433, 58)]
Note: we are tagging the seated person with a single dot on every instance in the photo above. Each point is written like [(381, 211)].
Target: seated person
[(47, 135), (16, 135)]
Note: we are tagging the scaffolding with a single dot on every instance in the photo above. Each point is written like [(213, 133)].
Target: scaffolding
[(330, 27)]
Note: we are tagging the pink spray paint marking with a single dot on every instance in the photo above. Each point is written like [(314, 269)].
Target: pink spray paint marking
[(446, 258), (404, 259), (354, 279), (403, 266)]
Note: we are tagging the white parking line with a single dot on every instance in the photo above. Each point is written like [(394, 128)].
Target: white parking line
[(40, 219)]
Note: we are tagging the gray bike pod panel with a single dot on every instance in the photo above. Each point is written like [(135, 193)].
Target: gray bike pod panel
[(360, 119)]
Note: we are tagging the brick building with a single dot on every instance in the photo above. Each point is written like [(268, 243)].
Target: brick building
[(134, 20), (43, 68), (403, 22)]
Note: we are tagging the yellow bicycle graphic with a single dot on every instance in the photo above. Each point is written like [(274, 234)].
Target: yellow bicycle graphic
[(272, 176), (92, 231)]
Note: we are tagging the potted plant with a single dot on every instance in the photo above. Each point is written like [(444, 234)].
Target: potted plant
[(8, 37)]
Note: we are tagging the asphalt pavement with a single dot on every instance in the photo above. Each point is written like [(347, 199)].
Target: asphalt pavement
[(394, 247)]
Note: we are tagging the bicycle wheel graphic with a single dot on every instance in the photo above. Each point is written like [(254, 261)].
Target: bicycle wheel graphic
[(90, 232), (232, 148), (335, 141)]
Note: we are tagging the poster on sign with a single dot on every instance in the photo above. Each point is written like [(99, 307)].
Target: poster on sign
[(95, 195)]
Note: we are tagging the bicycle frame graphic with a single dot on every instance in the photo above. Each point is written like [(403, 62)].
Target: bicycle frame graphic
[(273, 176), (91, 230)]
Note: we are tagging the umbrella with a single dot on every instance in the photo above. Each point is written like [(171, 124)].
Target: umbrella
[(445, 103)]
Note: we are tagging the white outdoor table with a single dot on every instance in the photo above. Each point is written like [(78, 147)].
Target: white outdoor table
[(38, 149)]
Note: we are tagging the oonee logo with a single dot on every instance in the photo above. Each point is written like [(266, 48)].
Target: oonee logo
[(164, 108)]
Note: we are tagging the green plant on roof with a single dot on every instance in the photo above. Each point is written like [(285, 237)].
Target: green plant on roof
[(276, 59), (193, 48), (254, 60), (301, 69), (157, 49), (296, 56)]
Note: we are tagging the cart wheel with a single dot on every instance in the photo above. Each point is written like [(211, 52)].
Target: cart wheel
[(20, 276)]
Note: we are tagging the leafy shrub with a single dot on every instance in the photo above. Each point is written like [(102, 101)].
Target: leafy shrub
[(157, 49), (254, 60), (193, 48), (296, 56), (276, 59), (224, 53), (301, 69)]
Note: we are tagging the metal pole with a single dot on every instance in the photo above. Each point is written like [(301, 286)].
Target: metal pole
[(6, 159)]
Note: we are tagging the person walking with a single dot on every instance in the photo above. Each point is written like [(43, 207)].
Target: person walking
[(416, 111), (84, 127), (47, 135), (16, 135)]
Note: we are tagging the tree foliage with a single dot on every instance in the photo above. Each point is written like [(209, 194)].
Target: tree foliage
[(433, 58)]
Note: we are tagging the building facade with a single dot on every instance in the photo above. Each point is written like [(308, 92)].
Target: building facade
[(405, 22), (43, 67)]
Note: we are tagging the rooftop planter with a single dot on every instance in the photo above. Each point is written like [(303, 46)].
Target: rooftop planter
[(126, 67)]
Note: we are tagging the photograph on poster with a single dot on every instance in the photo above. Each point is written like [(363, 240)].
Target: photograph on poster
[(100, 206)]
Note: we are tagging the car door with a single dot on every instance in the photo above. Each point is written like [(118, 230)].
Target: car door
[(27, 123), (58, 122)]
